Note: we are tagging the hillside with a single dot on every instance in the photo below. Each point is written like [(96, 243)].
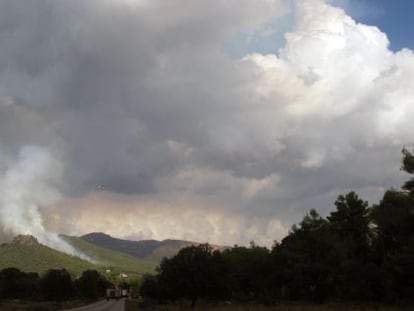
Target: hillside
[(26, 254), (152, 250), (117, 255), (114, 260)]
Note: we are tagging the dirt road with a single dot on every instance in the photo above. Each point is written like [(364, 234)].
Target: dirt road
[(111, 305)]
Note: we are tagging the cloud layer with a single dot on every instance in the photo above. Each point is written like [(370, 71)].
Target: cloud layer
[(164, 135)]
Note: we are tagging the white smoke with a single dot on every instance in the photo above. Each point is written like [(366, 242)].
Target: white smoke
[(27, 185)]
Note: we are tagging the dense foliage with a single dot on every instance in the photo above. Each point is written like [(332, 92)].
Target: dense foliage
[(54, 285), (91, 284), (357, 253)]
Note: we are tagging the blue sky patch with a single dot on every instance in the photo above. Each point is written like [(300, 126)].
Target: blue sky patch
[(394, 17)]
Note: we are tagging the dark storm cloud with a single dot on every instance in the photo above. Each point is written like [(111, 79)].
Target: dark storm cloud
[(115, 83)]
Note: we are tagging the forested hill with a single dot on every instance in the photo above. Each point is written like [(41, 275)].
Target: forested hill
[(144, 249)]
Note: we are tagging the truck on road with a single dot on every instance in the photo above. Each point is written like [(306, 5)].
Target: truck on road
[(113, 293)]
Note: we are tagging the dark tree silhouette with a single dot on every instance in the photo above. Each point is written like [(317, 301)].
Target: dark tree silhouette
[(195, 272), (408, 167), (57, 285), (150, 288), (394, 219), (91, 284), (17, 284), (350, 222), (249, 272), (307, 259)]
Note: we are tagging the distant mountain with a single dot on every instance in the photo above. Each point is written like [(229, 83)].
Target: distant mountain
[(27, 254), (111, 258), (145, 249)]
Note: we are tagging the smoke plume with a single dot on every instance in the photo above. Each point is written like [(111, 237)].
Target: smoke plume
[(26, 185)]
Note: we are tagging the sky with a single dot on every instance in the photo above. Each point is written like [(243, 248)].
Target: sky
[(220, 121), (393, 17)]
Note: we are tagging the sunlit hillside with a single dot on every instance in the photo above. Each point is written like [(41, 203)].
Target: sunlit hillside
[(27, 254)]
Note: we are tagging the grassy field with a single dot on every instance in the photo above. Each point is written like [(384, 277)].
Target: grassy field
[(133, 305)]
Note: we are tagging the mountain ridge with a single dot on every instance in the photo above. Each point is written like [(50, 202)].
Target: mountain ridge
[(142, 249), (26, 253)]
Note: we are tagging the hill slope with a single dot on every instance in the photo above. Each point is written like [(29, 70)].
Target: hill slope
[(146, 249), (26, 254), (114, 260)]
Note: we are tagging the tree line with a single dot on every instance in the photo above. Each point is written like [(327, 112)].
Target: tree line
[(357, 253), (55, 285)]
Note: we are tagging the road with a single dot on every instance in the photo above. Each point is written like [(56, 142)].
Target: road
[(111, 305)]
